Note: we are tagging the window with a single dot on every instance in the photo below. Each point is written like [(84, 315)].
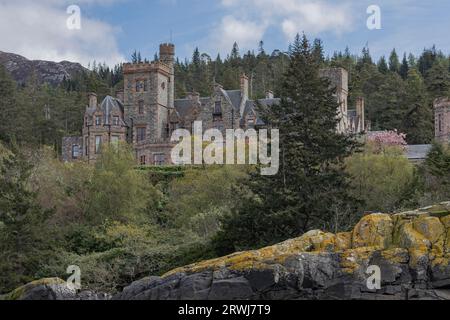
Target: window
[(98, 144), (86, 121), (218, 108), (75, 151), (86, 146), (141, 133), (115, 140), (440, 123), (160, 159), (98, 120), (138, 86), (116, 121), (141, 107), (145, 85), (143, 161)]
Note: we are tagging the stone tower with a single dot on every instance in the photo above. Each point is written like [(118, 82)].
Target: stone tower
[(167, 56), (442, 119), (338, 78), (148, 97)]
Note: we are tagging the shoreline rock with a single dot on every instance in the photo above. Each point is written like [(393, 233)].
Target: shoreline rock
[(411, 249)]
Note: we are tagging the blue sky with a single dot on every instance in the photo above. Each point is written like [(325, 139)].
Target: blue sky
[(112, 29)]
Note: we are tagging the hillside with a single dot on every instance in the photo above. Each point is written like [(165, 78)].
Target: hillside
[(410, 248), (50, 72)]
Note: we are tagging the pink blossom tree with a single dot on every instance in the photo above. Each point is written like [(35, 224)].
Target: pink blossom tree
[(384, 140)]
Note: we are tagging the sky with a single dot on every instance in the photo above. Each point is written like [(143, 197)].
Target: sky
[(110, 30)]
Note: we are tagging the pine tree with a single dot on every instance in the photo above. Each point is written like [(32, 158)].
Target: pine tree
[(383, 66), (310, 182), (404, 68), (438, 80), (418, 121), (394, 62), (8, 106)]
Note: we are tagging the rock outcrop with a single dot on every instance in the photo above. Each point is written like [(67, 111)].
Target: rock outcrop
[(49, 72), (411, 250), (51, 289)]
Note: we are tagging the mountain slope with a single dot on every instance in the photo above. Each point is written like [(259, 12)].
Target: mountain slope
[(49, 72)]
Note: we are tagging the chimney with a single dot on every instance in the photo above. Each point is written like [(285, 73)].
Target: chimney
[(244, 86), (269, 94), (360, 113), (92, 100), (193, 96)]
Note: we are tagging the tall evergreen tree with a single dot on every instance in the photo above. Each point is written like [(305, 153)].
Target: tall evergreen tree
[(404, 68), (383, 66), (394, 62), (310, 182), (418, 121)]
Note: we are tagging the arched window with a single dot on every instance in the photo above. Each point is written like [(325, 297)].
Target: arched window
[(218, 108)]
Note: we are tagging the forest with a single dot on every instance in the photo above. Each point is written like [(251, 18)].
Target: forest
[(120, 222)]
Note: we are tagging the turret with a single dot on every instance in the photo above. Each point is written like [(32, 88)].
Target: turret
[(167, 56)]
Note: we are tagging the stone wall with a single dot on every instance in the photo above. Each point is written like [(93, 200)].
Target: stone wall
[(67, 148), (442, 119)]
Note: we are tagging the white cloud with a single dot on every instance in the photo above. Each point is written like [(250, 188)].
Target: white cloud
[(247, 21), (38, 30)]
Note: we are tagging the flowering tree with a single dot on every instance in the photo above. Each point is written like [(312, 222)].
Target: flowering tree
[(381, 141)]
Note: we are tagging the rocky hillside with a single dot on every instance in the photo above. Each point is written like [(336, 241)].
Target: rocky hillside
[(411, 249), (53, 73)]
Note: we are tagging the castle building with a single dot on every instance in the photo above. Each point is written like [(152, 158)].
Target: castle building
[(442, 119), (146, 113)]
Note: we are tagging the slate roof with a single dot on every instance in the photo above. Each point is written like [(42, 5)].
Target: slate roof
[(107, 106), (184, 106), (418, 152)]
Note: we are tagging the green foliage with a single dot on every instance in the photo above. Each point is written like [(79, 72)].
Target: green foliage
[(117, 190), (384, 182), (436, 175)]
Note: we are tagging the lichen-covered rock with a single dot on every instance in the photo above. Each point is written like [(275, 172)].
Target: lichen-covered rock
[(51, 289), (411, 249), (45, 289)]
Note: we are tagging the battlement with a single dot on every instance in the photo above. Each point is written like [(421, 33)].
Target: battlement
[(337, 76), (145, 67), (167, 49)]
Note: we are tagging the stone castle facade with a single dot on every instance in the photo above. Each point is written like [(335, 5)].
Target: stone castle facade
[(145, 112), (442, 119)]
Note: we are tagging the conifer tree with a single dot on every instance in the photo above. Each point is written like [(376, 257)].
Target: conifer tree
[(404, 68), (310, 182), (394, 62), (382, 65), (418, 121)]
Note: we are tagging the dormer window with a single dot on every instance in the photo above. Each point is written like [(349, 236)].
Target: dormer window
[(116, 121), (98, 120)]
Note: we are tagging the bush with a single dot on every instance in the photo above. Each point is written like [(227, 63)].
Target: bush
[(384, 181)]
